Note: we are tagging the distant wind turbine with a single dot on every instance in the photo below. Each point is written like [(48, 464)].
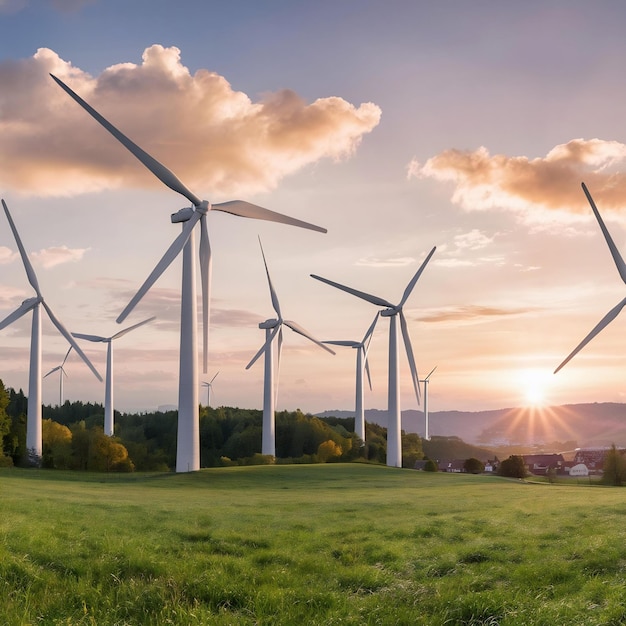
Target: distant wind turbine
[(109, 426), (188, 440), (393, 311), (61, 370), (209, 387), (362, 364), (426, 381), (273, 329), (621, 268), (33, 417)]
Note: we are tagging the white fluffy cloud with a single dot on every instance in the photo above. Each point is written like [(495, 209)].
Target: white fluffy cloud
[(531, 187), (50, 257), (216, 140)]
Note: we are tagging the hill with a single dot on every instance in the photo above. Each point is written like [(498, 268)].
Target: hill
[(590, 424)]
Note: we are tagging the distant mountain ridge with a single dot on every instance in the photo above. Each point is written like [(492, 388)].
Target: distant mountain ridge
[(589, 424)]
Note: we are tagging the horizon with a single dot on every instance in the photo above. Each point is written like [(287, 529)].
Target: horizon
[(397, 130)]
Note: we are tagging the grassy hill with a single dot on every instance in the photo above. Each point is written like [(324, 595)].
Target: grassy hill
[(317, 545)]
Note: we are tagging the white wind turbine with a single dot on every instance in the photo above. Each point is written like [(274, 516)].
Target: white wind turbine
[(393, 311), (362, 364), (188, 440), (426, 381), (274, 328), (209, 387), (33, 410), (61, 370), (109, 426), (621, 268)]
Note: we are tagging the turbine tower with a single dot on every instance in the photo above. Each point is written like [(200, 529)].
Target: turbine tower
[(393, 311), (362, 363), (61, 370), (33, 410), (209, 386), (426, 381), (109, 426), (273, 329), (188, 440), (621, 268)]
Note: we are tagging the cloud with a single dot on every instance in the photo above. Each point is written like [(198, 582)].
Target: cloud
[(532, 187), (390, 262), (472, 240), (51, 257), (213, 137), (471, 313), (7, 255)]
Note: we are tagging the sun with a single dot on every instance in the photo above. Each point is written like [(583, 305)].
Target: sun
[(534, 384)]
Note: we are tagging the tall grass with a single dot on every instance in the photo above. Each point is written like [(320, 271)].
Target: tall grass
[(323, 544)]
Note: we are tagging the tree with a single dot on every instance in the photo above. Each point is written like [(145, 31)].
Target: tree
[(473, 466), (57, 444), (513, 467), (327, 450), (614, 470), (431, 466)]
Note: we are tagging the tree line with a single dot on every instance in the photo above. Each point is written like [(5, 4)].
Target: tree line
[(73, 438)]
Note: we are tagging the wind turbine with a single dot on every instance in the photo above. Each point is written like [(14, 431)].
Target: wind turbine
[(61, 370), (621, 268), (33, 410), (393, 311), (188, 440), (426, 381), (273, 329), (108, 389), (209, 386), (362, 363)]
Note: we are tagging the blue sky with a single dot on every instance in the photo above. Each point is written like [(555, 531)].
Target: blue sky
[(398, 126)]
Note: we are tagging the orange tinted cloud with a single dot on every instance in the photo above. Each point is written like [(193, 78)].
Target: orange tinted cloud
[(214, 138), (484, 181), (472, 313)]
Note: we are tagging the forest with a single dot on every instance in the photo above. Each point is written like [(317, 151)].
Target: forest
[(73, 438)]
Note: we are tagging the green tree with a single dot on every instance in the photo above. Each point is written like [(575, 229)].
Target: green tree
[(513, 467), (614, 469), (431, 466), (473, 466)]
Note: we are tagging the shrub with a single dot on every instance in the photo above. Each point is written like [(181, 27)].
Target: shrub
[(473, 466), (513, 467)]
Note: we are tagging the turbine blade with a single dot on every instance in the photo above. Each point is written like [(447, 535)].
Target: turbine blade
[(301, 331), (605, 321), (205, 278), (171, 253), (367, 371), (275, 302), (127, 330), (54, 369), (409, 355), (70, 339), (279, 352), (359, 294), (166, 176), (370, 330), (95, 338), (350, 344), (411, 285), (246, 209), (24, 308), (65, 359), (617, 257), (431, 371), (262, 349), (212, 379), (30, 272)]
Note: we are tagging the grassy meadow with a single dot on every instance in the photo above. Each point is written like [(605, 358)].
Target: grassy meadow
[(304, 545)]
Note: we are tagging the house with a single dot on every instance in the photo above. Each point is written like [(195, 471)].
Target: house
[(539, 464), (456, 466)]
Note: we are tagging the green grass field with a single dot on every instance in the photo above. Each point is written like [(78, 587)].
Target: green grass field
[(319, 544)]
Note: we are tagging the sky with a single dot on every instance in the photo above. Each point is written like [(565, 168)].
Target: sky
[(397, 126)]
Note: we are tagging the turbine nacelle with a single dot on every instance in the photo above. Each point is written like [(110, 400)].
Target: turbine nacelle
[(269, 324), (389, 312)]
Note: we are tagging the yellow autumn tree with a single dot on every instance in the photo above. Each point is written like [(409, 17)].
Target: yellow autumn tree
[(56, 444), (327, 450)]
